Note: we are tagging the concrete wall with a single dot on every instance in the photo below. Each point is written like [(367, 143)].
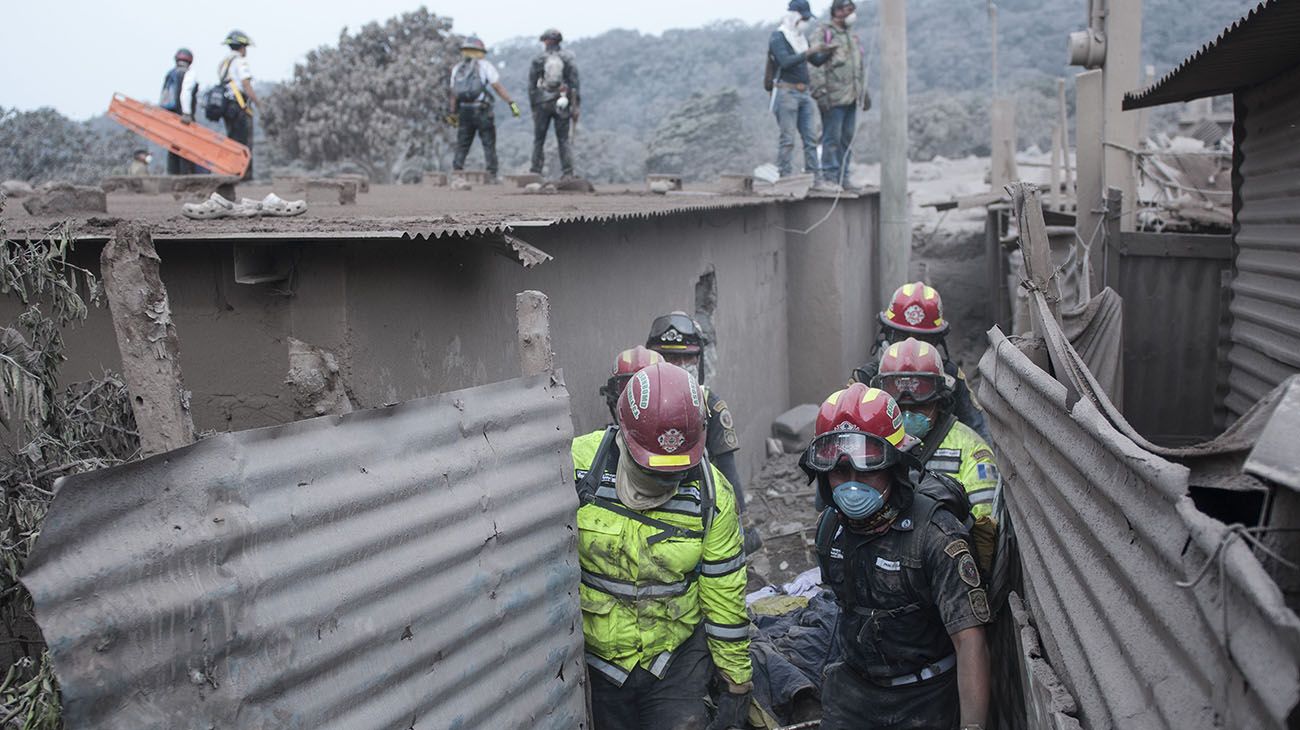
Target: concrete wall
[(411, 319)]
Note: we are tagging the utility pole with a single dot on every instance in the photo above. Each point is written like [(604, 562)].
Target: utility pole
[(993, 29), (895, 219)]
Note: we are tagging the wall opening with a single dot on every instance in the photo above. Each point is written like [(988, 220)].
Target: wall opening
[(706, 303)]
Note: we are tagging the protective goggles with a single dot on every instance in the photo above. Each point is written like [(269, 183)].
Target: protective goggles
[(864, 452), (910, 387)]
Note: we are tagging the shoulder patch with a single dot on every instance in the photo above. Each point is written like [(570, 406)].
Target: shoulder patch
[(969, 572), (724, 417), (729, 438), (956, 547), (979, 604), (982, 454), (986, 472)]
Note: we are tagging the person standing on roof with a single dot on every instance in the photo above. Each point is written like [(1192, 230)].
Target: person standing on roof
[(912, 373), (553, 95), (472, 82), (237, 79), (140, 160), (916, 310), (180, 93), (662, 569), (790, 53), (894, 547), (839, 86)]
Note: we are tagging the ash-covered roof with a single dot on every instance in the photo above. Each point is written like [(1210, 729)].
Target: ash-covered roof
[(1251, 51)]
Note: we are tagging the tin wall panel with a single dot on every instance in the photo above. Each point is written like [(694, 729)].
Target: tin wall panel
[(1106, 531), (1175, 309), (1266, 289), (413, 566)]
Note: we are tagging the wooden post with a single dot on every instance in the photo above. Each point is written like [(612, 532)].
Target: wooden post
[(1035, 248), (1054, 197), (895, 210), (1111, 264), (1063, 120), (533, 314), (1004, 143), (147, 339)]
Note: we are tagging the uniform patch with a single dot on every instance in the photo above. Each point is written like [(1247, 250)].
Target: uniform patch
[(914, 314), (979, 604), (982, 455), (671, 440), (986, 472), (729, 438), (906, 524), (892, 566), (956, 547), (948, 453), (837, 554), (948, 466), (724, 417), (969, 572)]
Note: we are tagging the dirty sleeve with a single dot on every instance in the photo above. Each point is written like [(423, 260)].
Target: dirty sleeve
[(956, 586), (721, 436), (722, 588)]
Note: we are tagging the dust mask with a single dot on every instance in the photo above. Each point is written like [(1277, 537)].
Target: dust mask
[(851, 18), (637, 489)]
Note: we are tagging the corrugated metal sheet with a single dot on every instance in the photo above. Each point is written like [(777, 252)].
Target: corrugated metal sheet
[(1251, 51), (1266, 290), (1106, 530), (1172, 366), (406, 567)]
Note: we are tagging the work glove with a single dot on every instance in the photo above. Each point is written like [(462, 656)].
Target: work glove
[(866, 101), (452, 118), (733, 707), (514, 109)]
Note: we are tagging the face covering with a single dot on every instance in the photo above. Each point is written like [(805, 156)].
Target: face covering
[(801, 25), (637, 489), (857, 501), (916, 424), (851, 18), (148, 159)]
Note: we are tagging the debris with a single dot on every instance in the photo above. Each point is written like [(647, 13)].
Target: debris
[(461, 184), (54, 198), (16, 188), (317, 382)]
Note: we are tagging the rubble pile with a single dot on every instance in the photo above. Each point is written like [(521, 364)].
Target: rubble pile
[(781, 506)]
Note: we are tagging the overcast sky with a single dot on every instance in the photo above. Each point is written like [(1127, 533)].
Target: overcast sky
[(73, 54)]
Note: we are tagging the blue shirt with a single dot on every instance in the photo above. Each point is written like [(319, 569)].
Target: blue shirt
[(791, 67)]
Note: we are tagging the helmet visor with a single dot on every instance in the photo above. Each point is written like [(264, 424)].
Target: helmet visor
[(864, 452), (910, 387)]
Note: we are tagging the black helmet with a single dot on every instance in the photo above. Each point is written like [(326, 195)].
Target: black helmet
[(837, 4), (552, 34), (675, 334), (237, 39)]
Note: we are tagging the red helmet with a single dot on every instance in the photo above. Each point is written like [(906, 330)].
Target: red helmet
[(625, 365), (184, 54), (915, 308), (661, 414), (861, 424), (911, 371)]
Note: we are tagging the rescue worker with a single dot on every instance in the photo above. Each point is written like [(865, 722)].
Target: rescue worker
[(912, 373), (663, 572), (472, 82), (237, 78), (180, 93), (898, 558), (790, 54), (140, 160), (625, 366), (916, 310), (839, 86), (676, 336), (554, 97)]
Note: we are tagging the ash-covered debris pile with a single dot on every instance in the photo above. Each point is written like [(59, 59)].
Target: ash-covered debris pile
[(782, 507)]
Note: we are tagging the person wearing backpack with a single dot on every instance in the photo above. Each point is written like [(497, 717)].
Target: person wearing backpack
[(553, 95), (471, 104), (894, 548), (237, 89), (662, 569), (839, 87), (789, 54), (180, 93)]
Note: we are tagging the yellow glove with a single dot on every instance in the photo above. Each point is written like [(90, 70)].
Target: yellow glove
[(452, 118), (514, 109)]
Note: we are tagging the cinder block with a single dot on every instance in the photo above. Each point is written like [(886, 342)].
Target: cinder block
[(794, 428), (60, 197)]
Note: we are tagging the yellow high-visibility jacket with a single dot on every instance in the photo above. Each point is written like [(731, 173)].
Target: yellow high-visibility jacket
[(640, 601), (966, 457)]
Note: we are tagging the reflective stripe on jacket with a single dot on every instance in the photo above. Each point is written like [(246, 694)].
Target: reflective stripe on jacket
[(966, 457), (641, 601)]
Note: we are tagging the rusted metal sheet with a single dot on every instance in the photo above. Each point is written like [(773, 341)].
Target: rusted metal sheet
[(1266, 290), (1106, 531), (1252, 50), (406, 567), (1173, 367)]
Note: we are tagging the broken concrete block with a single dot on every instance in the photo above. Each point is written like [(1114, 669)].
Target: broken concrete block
[(525, 179), (362, 181), (473, 177), (332, 192), (436, 179), (317, 381), (794, 428), (461, 184), (16, 188), (61, 197), (663, 183)]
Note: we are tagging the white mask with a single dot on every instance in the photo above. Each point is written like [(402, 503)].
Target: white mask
[(801, 25), (148, 159), (851, 18)]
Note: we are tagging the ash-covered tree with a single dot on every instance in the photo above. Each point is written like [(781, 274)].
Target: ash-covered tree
[(42, 145), (704, 136), (375, 100)]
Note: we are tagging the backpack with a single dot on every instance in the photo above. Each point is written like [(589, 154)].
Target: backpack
[(216, 100), (552, 73), (467, 82), (170, 99)]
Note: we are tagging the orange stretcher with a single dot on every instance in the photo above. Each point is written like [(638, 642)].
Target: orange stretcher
[(194, 142)]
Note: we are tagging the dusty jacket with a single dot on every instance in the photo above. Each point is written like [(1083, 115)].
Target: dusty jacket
[(641, 601), (840, 81)]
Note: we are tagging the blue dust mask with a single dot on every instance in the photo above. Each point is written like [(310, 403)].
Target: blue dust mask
[(857, 501), (916, 424)]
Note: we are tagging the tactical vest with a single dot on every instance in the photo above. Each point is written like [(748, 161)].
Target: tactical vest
[(892, 631)]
